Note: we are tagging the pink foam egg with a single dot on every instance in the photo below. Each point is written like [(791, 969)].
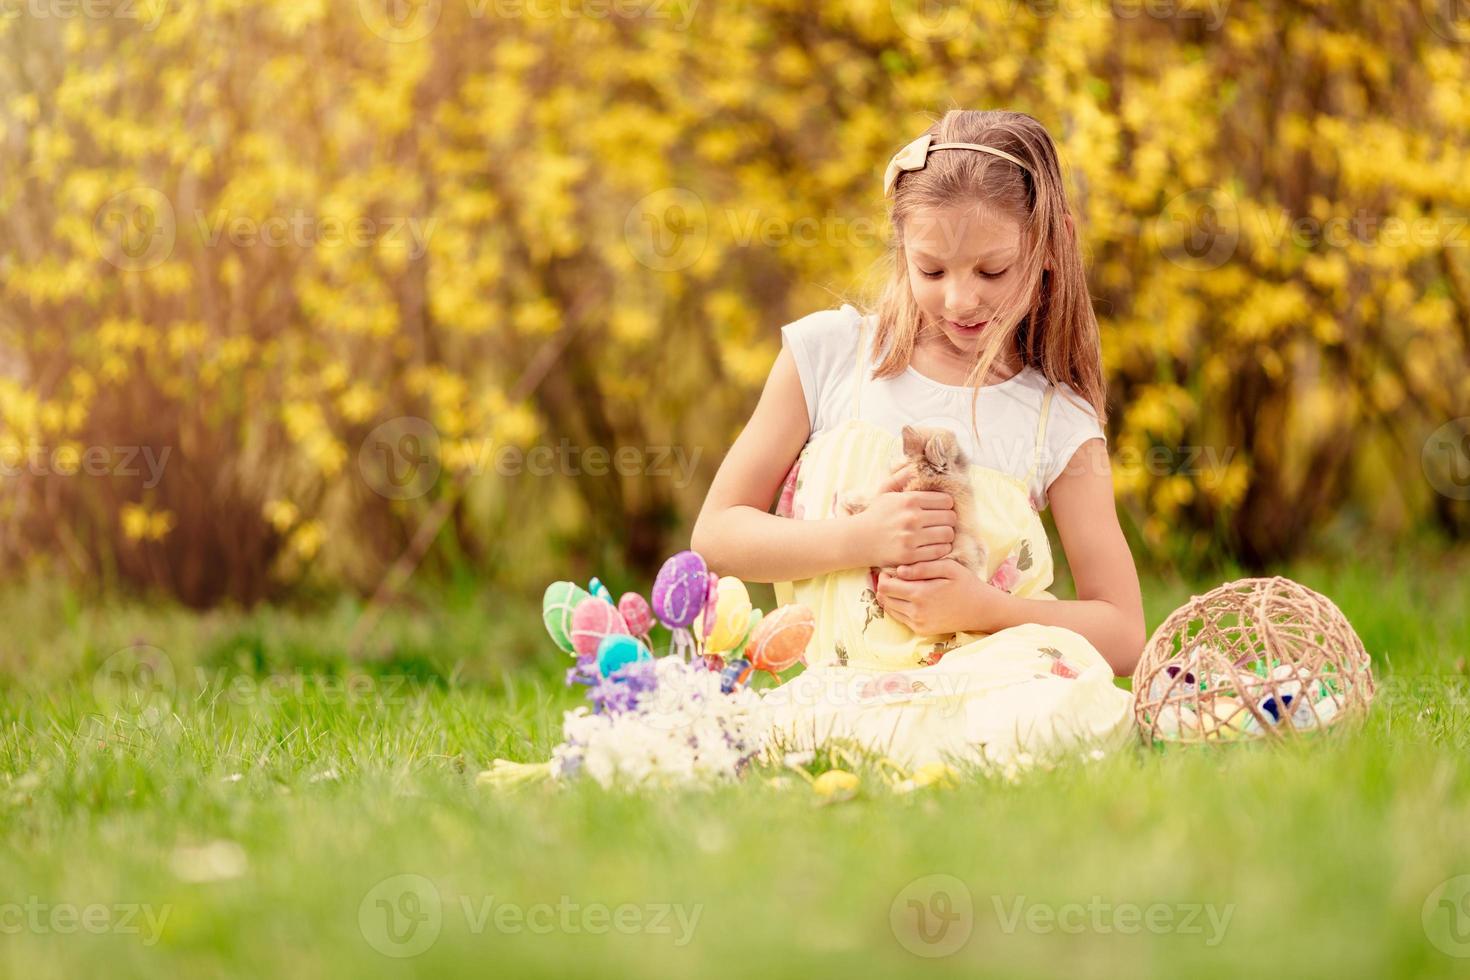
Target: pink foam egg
[(711, 603), (635, 613), (593, 619)]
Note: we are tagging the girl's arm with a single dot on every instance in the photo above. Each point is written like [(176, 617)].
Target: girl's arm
[(1108, 609), (735, 533)]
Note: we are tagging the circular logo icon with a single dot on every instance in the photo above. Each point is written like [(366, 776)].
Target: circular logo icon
[(1446, 916), (678, 700), (932, 20), (1446, 459), (1450, 19), (135, 230), (400, 21), (400, 458), (933, 916), (401, 916), (1199, 229), (136, 682), (668, 229)]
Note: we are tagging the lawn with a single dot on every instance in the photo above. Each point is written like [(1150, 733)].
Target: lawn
[(279, 809)]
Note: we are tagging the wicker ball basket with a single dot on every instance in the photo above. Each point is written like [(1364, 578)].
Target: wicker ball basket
[(1256, 658)]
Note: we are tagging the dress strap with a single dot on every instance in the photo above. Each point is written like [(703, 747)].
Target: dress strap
[(1040, 435), (859, 372)]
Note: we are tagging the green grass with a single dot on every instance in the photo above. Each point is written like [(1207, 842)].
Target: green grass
[(325, 777)]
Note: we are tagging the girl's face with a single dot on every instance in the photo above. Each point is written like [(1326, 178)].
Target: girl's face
[(963, 265)]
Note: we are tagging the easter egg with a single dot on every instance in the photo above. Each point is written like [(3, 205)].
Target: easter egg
[(591, 621), (595, 587), (836, 785), (781, 638), (1177, 722), (705, 624), (1173, 681), (636, 614), (557, 604), (1320, 712), (1227, 719), (619, 650), (680, 589), (735, 673), (935, 774), (731, 620), (756, 615)]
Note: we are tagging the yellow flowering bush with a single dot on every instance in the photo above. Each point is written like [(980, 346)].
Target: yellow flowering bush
[(347, 259)]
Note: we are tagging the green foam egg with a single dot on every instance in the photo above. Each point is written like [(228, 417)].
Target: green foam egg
[(556, 612)]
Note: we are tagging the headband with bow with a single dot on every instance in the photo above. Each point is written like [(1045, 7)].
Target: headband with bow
[(916, 155)]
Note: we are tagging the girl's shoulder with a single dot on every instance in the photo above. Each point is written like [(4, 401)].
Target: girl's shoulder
[(824, 329), (824, 345), (1070, 422)]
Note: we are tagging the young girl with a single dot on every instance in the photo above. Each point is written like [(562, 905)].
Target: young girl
[(985, 328)]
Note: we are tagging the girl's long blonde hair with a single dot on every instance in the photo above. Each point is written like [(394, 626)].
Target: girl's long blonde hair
[(1049, 323)]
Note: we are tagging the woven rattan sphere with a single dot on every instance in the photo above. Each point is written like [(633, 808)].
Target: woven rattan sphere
[(1254, 658)]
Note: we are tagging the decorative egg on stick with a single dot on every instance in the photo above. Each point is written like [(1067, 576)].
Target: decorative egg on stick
[(756, 616), (560, 599), (679, 594), (730, 623), (781, 639), (705, 624), (595, 587), (592, 620), (735, 673), (618, 650), (635, 612)]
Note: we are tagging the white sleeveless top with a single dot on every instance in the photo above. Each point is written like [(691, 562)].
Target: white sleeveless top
[(824, 345)]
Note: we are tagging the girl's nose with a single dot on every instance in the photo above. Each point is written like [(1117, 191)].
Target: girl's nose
[(962, 297)]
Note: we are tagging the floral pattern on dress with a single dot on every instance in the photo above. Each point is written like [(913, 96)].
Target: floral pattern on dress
[(1008, 575), (1059, 665), (787, 505), (872, 608), (937, 653)]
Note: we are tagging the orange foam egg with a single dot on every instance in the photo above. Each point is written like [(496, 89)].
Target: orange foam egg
[(781, 638)]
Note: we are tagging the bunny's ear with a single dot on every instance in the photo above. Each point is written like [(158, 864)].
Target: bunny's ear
[(913, 441), (943, 450)]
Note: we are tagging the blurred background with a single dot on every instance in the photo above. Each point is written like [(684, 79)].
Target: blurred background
[(299, 297)]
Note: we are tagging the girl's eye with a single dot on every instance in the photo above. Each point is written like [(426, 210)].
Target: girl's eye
[(995, 275), (931, 275)]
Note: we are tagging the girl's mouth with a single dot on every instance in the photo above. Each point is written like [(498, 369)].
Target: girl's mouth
[(968, 329)]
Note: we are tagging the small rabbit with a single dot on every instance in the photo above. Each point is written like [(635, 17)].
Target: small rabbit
[(939, 465)]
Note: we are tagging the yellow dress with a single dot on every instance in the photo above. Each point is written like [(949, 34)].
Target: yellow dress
[(1006, 699)]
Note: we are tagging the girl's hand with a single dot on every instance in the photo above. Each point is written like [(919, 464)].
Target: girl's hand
[(943, 596), (899, 528)]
